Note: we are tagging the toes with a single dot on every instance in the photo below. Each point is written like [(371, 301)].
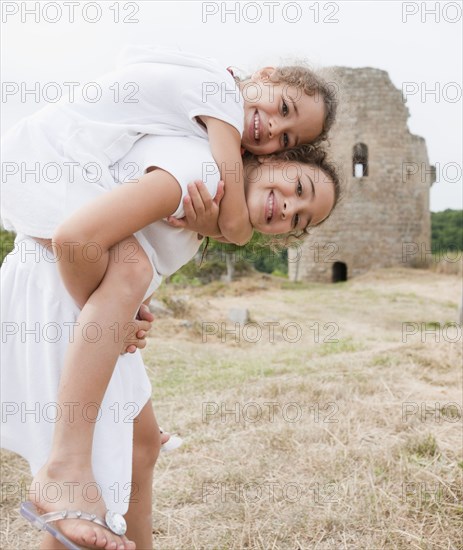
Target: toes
[(128, 544), (90, 538), (102, 541), (164, 438), (113, 545), (99, 538)]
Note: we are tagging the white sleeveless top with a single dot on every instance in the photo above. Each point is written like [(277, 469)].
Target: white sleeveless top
[(48, 157)]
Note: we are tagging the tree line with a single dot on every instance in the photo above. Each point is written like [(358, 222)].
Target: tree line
[(447, 230), (267, 256)]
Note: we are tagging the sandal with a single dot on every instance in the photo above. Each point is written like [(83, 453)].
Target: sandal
[(172, 443), (113, 521)]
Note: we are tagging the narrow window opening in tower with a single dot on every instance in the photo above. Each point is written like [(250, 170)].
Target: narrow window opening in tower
[(339, 272), (360, 160)]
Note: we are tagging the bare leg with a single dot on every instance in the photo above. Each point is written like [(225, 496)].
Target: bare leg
[(87, 370), (146, 445)]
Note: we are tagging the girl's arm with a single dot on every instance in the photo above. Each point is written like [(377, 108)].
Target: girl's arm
[(85, 238), (225, 143)]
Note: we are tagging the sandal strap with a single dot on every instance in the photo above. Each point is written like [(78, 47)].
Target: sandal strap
[(113, 521), (73, 514)]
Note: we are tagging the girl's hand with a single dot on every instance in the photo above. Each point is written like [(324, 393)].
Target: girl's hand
[(201, 211), (136, 337)]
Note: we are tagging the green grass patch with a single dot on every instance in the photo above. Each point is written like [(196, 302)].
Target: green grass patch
[(344, 345), (423, 446)]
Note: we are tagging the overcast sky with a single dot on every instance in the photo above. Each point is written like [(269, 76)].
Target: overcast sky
[(418, 43)]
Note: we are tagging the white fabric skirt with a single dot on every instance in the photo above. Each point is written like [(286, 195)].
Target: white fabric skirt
[(39, 318)]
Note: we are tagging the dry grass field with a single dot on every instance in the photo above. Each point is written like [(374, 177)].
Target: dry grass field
[(332, 421)]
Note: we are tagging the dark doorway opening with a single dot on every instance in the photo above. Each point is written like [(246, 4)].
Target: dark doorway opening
[(339, 272)]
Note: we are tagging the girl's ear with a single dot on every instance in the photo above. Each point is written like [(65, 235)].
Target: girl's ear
[(263, 74)]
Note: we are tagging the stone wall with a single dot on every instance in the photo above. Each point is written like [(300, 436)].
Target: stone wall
[(383, 219)]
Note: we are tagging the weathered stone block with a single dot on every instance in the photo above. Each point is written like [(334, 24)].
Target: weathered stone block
[(239, 315), (382, 212)]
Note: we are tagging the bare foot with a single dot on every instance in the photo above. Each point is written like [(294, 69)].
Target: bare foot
[(169, 442), (58, 488), (165, 436)]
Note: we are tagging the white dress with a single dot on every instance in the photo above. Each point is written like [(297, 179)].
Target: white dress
[(47, 157), (39, 318)]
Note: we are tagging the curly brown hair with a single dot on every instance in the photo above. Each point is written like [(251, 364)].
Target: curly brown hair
[(313, 84)]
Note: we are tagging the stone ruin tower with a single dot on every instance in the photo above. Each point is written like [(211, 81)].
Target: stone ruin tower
[(383, 219)]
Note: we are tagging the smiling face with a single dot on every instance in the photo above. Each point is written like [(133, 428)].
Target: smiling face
[(278, 116), (287, 196)]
